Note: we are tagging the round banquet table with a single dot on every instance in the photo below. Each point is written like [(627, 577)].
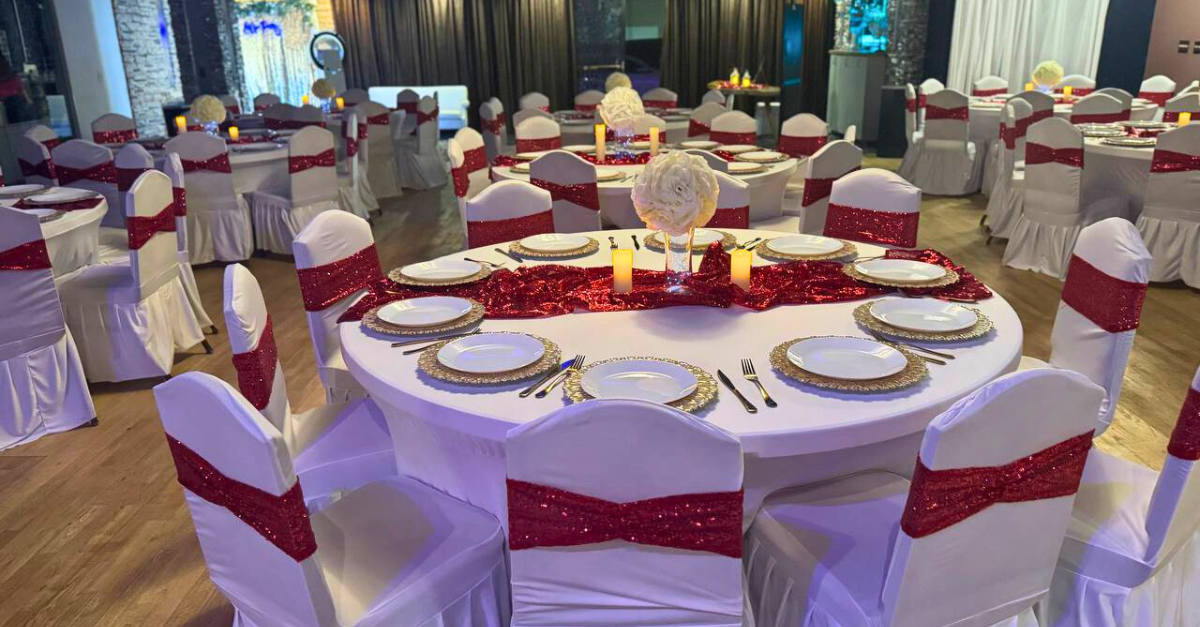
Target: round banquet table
[(584, 131), (452, 436), (73, 240), (253, 170), (616, 203), (1115, 170), (985, 117)]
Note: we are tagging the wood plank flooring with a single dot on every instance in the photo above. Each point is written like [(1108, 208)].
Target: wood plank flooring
[(94, 532)]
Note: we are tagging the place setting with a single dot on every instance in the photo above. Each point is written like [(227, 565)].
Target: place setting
[(554, 246), (737, 168), (654, 379), (701, 239), (1130, 142), (805, 247), (423, 316), (1101, 130), (925, 319), (849, 364), (901, 273), (440, 272), (698, 144), (489, 358), (10, 193), (761, 156), (63, 198)]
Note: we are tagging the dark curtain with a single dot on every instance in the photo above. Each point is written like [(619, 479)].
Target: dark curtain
[(704, 39), (937, 39), (818, 39), (502, 48)]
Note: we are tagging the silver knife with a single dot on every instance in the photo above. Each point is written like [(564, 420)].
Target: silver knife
[(546, 377), (433, 339), (509, 255), (749, 407)]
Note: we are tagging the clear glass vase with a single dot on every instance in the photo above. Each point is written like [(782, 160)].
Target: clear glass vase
[(679, 258), (212, 128), (623, 139)]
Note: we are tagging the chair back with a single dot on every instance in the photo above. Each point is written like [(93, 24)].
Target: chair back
[(130, 163), (30, 308), (1098, 108), (713, 96), (1053, 172), (209, 182), (538, 133), (227, 456), (525, 114), (733, 203), (495, 127), (571, 182), (231, 104), (460, 178), (507, 211), (833, 161), (947, 117), (534, 100), (911, 119), (1080, 85), (252, 341), (150, 224), (426, 125), (312, 165), (378, 119), (986, 554), (715, 162), (1175, 505), (264, 101), (1014, 129), (624, 452), (660, 98), (307, 115), (700, 122), (874, 206), (1122, 96), (34, 159), (1174, 182), (408, 101), (113, 128), (173, 168), (87, 165), (44, 135), (802, 135), (989, 86), (279, 115), (1192, 88), (587, 101), (642, 126), (1189, 102), (851, 134), (927, 88), (475, 159), (1157, 89), (354, 96), (1042, 104), (1101, 307), (733, 127)]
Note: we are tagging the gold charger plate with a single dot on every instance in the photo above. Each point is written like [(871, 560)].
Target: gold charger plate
[(983, 324), (705, 393), (913, 373), (517, 249), (484, 272), (848, 248), (742, 157), (372, 322), (950, 278), (653, 242), (429, 364)]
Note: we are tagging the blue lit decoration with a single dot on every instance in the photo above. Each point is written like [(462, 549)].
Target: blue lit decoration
[(869, 25), (250, 27)]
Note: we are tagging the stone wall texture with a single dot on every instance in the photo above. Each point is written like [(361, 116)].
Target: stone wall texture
[(151, 64)]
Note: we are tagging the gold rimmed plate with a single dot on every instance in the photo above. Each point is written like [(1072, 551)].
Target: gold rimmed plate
[(701, 240), (554, 246), (903, 273), (864, 317), (804, 248), (372, 322), (431, 363), (913, 371), (697, 398)]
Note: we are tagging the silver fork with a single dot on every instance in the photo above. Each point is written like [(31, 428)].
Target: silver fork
[(575, 366), (484, 261), (749, 374)]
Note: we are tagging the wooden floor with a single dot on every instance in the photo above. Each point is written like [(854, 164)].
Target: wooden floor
[(94, 532)]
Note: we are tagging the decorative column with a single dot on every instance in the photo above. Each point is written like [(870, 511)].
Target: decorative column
[(908, 25)]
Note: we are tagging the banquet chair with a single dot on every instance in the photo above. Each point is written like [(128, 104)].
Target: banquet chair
[(86, 165), (173, 168), (713, 96), (875, 549), (306, 116), (537, 133), (231, 104), (534, 100), (571, 182), (1189, 102), (851, 134), (912, 132), (732, 128), (262, 102), (1131, 555), (1080, 85), (461, 179), (393, 552), (1100, 309), (354, 192), (875, 207), (660, 98), (832, 162), (715, 162), (408, 101), (34, 159), (495, 128), (647, 121), (802, 135), (1042, 106), (113, 128), (1157, 89), (989, 86), (278, 117), (44, 135), (311, 190), (219, 223), (700, 122), (354, 96), (508, 211), (733, 204), (474, 159), (336, 261), (1192, 88), (381, 169), (131, 317), (927, 88), (418, 163), (42, 387), (130, 162), (525, 114), (1052, 212), (1122, 96), (335, 447), (1170, 219), (1098, 108), (949, 164), (587, 101), (1007, 200), (622, 570)]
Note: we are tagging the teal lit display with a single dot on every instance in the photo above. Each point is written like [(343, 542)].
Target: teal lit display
[(869, 25)]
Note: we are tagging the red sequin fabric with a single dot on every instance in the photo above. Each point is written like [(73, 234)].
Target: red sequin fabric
[(282, 520), (180, 203), (698, 128), (52, 143), (1040, 153), (725, 154), (921, 98), (407, 107), (542, 516), (74, 205), (1173, 116), (725, 137), (582, 194), (536, 145), (986, 93), (1185, 438), (462, 181), (1098, 118), (637, 158), (730, 218), (383, 119), (28, 256), (423, 117), (486, 233), (496, 125), (100, 173), (1115, 305), (798, 147), (868, 225), (659, 104), (938, 499), (44, 169), (141, 229), (910, 104), (939, 113), (1038, 116), (967, 287), (817, 189), (127, 176), (1171, 161), (322, 286), (114, 137), (218, 163), (583, 108), (1159, 98), (475, 159), (256, 368), (300, 163)]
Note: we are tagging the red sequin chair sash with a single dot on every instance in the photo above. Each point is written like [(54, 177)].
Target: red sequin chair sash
[(494, 126), (696, 127), (488, 232), (939, 113), (28, 256), (724, 137), (987, 93), (1173, 116), (120, 136), (282, 520), (659, 104), (462, 180), (1171, 161), (938, 499), (234, 109), (545, 108), (1185, 438), (1038, 116), (868, 225), (536, 145), (100, 173), (52, 143), (1036, 154), (219, 163), (583, 194), (542, 516), (910, 104), (423, 118), (300, 163), (180, 194), (322, 286), (817, 189), (44, 169), (1159, 98), (730, 218), (1077, 92), (352, 140), (1113, 304), (921, 98), (383, 119), (408, 107), (127, 176), (256, 369), (475, 159), (1098, 118), (798, 147), (141, 229), (589, 108)]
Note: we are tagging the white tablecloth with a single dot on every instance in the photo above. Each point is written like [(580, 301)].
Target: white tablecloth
[(985, 119), (452, 436), (73, 239), (253, 171)]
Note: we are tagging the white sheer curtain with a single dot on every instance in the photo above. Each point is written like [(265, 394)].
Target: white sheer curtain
[(1009, 38)]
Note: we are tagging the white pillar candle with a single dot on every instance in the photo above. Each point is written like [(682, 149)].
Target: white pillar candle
[(600, 135), (181, 124), (739, 267), (653, 141), (233, 133), (622, 270)]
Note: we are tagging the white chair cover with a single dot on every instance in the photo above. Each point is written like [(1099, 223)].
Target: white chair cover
[(381, 168), (354, 192), (129, 163), (832, 555), (495, 127), (927, 88), (263, 101), (1122, 96), (1080, 84), (1189, 102), (418, 163), (912, 132), (1157, 89), (571, 182), (354, 96), (42, 387), (43, 134), (507, 211), (821, 171), (307, 115), (131, 318), (716, 163), (113, 128), (1192, 87), (231, 104), (1043, 107), (874, 206), (700, 122), (802, 135), (733, 127), (587, 101), (34, 159), (534, 100), (86, 165), (733, 203), (1097, 108), (537, 133), (312, 190), (851, 134), (660, 98), (475, 159), (342, 243), (279, 115), (525, 114), (1131, 555), (949, 163), (1008, 194), (643, 124), (1170, 220), (624, 451), (173, 167), (460, 179), (408, 101), (218, 217), (989, 86), (713, 96), (393, 552)]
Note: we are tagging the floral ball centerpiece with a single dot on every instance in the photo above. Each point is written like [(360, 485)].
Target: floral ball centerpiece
[(621, 108), (617, 79), (209, 111), (676, 193), (1046, 75), (324, 90)]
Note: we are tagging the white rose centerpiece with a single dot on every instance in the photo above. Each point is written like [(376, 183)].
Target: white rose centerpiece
[(676, 193), (322, 88), (1047, 74), (621, 108), (208, 111), (617, 79)]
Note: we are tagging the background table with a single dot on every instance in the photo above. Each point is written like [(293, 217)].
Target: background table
[(985, 119), (452, 436), (584, 132), (73, 239), (253, 171)]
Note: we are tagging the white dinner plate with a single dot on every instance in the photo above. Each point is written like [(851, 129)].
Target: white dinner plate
[(491, 352), (554, 242), (849, 358), (256, 147), (900, 270), (60, 195), (8, 191), (1146, 124), (701, 238), (745, 167), (762, 156), (584, 148), (440, 270), (607, 174), (804, 245), (640, 379), (737, 149), (699, 144), (923, 314), (424, 312)]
